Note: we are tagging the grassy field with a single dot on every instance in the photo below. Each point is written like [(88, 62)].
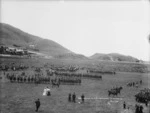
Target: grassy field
[(20, 97), (96, 64)]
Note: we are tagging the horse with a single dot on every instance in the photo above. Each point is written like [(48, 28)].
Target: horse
[(115, 91), (112, 92)]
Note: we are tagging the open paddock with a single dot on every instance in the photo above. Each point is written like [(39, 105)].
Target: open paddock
[(20, 97)]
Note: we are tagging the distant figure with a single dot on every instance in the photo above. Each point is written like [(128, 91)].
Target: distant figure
[(146, 102), (124, 105), (45, 91), (82, 98), (141, 109), (48, 91), (149, 107), (133, 84), (140, 81), (74, 97), (37, 102), (69, 97), (137, 109)]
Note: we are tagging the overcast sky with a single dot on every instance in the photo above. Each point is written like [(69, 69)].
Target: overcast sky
[(85, 27)]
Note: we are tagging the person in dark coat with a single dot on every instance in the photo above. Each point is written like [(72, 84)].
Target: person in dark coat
[(37, 102), (82, 98), (74, 97), (137, 109), (124, 105), (69, 97), (140, 81), (146, 102), (141, 109)]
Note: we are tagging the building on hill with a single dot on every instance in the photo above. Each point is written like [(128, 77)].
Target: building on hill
[(13, 51)]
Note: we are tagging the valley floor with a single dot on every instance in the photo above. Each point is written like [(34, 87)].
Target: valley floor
[(20, 97)]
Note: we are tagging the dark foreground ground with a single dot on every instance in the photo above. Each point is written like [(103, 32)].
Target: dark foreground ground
[(20, 97)]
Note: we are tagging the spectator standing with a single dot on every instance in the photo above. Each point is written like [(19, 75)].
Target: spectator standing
[(69, 97), (124, 105), (37, 102), (74, 97), (82, 98)]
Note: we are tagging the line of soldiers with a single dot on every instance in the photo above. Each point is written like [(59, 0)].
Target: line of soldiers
[(44, 80), (85, 75), (71, 81), (13, 68), (101, 72)]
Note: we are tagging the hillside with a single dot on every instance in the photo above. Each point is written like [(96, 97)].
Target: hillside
[(113, 57), (13, 37)]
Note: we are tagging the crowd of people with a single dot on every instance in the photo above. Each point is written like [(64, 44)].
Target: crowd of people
[(143, 96), (138, 108), (134, 84)]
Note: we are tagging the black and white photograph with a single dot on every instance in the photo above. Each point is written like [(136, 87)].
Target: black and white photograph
[(75, 56)]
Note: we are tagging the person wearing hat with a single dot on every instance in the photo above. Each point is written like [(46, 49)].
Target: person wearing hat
[(82, 98), (69, 97), (37, 102)]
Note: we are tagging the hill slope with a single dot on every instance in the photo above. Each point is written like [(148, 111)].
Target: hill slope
[(11, 36), (114, 57)]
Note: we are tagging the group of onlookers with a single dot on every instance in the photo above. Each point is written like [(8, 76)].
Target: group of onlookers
[(134, 84), (138, 108), (72, 97)]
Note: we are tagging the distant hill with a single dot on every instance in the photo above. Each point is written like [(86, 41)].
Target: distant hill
[(11, 36), (114, 57), (14, 37)]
